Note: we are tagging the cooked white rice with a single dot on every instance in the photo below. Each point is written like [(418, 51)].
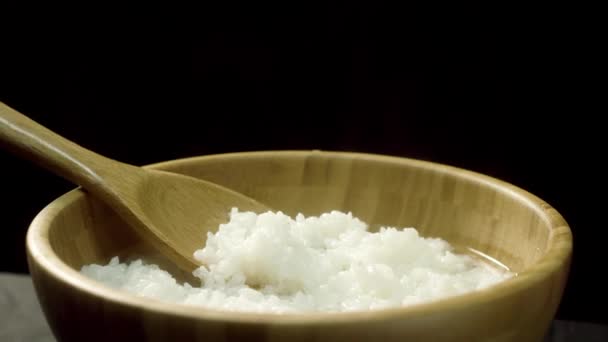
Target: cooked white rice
[(273, 263)]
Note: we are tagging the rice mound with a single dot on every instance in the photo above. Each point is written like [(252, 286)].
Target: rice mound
[(274, 263)]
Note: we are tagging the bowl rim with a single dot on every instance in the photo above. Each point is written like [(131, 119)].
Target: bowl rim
[(556, 258)]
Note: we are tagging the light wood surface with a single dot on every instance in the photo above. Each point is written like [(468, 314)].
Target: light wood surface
[(166, 209), (467, 209)]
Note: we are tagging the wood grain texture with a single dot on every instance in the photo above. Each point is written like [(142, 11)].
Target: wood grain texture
[(165, 209), (467, 209)]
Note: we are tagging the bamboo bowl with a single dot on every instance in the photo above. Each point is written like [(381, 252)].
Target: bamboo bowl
[(467, 209)]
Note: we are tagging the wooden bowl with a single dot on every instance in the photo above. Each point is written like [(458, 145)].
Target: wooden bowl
[(463, 207)]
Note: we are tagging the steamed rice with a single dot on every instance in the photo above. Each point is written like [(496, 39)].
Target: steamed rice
[(273, 263)]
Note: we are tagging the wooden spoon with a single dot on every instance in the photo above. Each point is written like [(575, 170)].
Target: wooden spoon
[(168, 210)]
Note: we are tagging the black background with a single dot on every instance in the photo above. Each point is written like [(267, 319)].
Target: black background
[(503, 95)]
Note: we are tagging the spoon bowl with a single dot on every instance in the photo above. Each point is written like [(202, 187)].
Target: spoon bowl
[(168, 210)]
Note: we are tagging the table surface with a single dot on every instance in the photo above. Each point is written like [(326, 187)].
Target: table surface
[(21, 318)]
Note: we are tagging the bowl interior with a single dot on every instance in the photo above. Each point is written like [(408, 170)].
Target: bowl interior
[(466, 209)]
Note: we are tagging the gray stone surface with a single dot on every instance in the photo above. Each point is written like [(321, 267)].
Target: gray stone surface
[(21, 318)]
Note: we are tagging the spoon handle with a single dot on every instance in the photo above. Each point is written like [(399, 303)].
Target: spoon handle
[(40, 145)]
